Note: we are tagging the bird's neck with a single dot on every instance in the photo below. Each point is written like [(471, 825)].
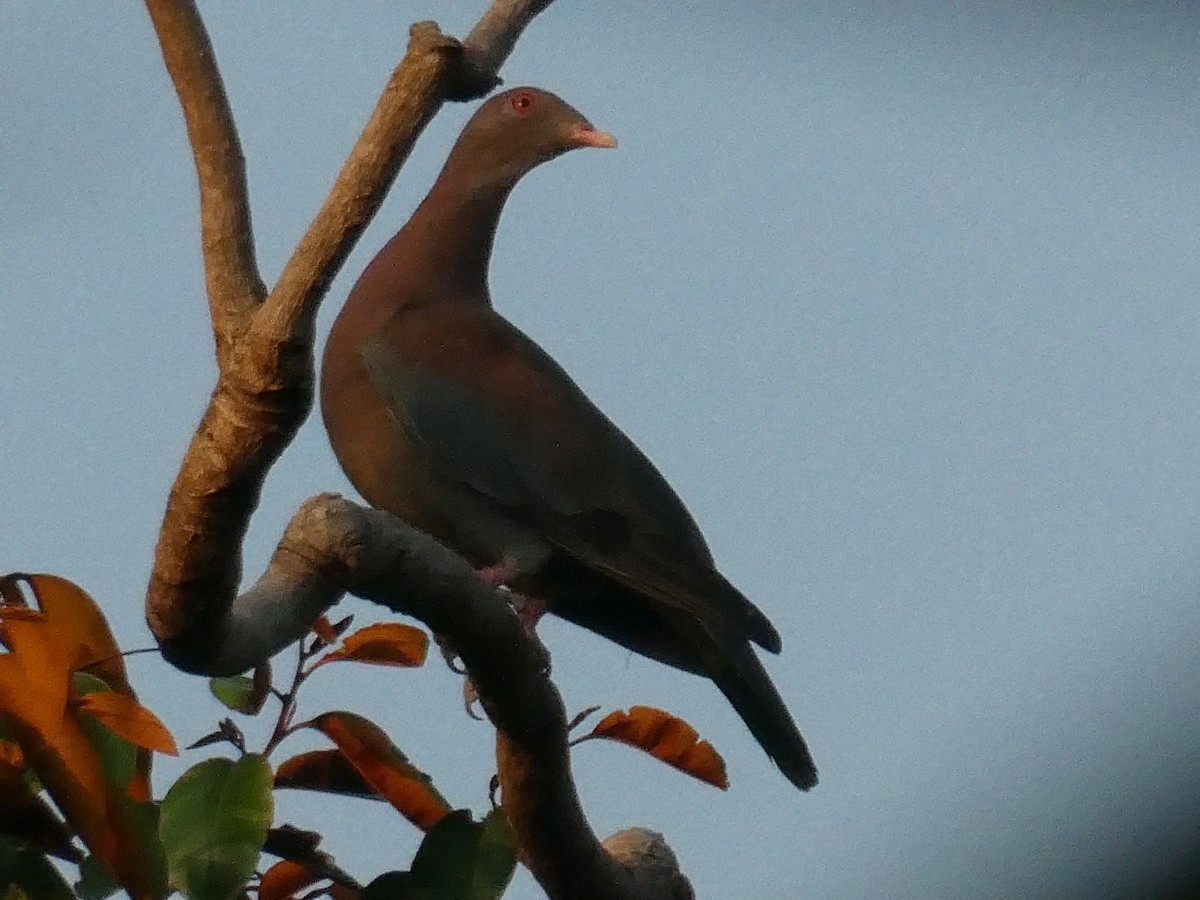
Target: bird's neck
[(447, 244)]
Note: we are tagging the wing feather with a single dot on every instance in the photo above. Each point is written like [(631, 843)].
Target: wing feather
[(498, 416)]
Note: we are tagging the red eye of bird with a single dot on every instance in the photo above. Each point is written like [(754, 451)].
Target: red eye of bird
[(522, 103)]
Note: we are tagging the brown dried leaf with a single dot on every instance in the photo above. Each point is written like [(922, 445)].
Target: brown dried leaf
[(578, 718), (260, 683), (325, 632)]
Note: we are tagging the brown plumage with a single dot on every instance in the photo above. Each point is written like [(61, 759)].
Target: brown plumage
[(443, 413)]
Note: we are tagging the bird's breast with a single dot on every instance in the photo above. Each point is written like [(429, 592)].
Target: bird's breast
[(395, 470)]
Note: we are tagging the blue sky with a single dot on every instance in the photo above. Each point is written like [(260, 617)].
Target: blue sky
[(900, 297)]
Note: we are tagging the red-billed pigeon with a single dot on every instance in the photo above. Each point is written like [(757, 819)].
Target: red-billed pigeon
[(444, 414)]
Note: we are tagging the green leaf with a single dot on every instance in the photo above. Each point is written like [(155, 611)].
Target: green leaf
[(463, 860), (213, 823), (235, 691), (444, 861), (30, 874), (496, 858), (393, 886), (95, 880)]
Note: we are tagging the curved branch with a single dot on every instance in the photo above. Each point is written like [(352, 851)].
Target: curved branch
[(332, 545), (495, 34), (231, 272)]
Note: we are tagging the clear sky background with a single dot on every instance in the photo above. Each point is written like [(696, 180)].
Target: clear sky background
[(902, 298)]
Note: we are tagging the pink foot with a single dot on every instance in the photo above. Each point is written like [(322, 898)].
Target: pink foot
[(529, 611), (496, 576)]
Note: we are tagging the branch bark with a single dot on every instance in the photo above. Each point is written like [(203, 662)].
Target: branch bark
[(264, 391), (332, 545), (495, 34), (233, 283)]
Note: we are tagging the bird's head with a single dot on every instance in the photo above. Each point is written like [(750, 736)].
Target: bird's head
[(521, 128)]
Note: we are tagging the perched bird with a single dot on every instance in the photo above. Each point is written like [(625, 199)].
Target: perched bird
[(444, 414)]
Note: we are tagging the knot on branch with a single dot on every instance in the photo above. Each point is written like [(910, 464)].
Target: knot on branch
[(468, 75), (651, 864)]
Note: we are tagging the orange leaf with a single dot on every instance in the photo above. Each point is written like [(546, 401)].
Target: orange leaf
[(307, 865), (667, 738), (66, 634), (324, 770), (128, 718), (284, 879), (35, 674), (78, 622), (384, 644), (384, 767), (326, 632)]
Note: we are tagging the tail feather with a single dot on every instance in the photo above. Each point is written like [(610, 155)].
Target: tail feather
[(732, 664), (748, 687), (713, 647)]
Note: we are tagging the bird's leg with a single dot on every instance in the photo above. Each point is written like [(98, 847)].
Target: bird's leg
[(498, 575), (470, 698), (495, 577), (450, 655), (529, 611)]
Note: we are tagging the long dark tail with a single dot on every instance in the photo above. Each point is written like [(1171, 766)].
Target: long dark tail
[(748, 687), (732, 664), (679, 639)]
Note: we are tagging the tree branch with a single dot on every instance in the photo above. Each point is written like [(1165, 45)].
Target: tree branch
[(411, 98), (495, 34), (231, 272), (332, 545)]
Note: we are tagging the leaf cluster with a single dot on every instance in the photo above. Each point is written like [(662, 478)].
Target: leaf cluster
[(76, 749)]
